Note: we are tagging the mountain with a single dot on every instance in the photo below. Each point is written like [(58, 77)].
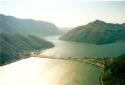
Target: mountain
[(10, 24), (123, 24), (96, 32), (16, 46)]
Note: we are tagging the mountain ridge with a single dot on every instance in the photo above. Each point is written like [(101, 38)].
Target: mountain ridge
[(96, 32), (11, 24)]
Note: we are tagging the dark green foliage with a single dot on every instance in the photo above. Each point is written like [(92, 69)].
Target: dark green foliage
[(15, 46), (9, 24), (97, 32), (114, 73)]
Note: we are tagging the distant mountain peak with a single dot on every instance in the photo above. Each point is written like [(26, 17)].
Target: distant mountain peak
[(96, 32), (2, 15), (97, 22)]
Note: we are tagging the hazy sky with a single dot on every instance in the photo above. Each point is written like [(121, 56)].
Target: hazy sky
[(65, 13)]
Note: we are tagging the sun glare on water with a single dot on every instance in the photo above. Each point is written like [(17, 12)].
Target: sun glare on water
[(28, 72), (41, 71)]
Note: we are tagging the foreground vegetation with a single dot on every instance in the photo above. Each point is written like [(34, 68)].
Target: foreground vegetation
[(114, 71), (15, 46)]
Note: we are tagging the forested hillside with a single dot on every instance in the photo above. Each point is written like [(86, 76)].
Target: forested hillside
[(16, 46)]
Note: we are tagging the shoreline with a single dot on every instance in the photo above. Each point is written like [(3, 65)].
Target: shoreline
[(95, 62)]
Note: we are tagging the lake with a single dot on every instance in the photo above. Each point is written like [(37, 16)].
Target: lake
[(41, 71), (45, 71), (75, 49)]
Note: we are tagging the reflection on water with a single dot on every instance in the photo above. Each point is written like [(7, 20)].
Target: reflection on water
[(39, 71), (74, 49)]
